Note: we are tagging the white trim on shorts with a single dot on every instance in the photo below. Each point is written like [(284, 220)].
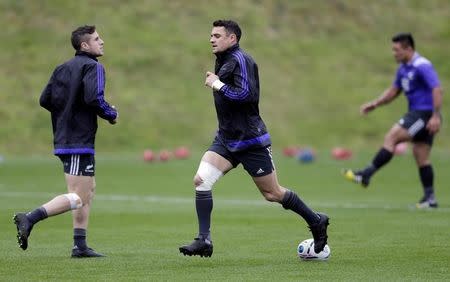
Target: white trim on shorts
[(74, 165), (416, 127)]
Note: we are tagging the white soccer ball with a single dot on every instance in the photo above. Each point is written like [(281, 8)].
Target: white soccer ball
[(305, 251)]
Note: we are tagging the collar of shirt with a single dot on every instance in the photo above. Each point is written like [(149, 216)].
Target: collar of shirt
[(83, 53), (227, 52), (415, 56)]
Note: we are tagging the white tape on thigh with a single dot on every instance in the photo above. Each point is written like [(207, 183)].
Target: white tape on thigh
[(75, 201), (209, 175)]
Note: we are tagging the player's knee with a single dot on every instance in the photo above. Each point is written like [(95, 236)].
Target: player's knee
[(389, 139), (271, 197), (92, 191), (422, 161), (75, 201), (197, 180), (274, 195), (206, 176), (89, 197)]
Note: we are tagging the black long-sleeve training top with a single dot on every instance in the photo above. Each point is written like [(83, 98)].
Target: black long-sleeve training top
[(75, 96), (240, 125)]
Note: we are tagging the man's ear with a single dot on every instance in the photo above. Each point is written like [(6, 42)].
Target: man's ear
[(233, 37), (84, 45)]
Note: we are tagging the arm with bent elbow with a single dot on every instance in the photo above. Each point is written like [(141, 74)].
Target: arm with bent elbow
[(388, 96)]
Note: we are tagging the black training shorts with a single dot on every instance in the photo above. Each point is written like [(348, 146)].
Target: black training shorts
[(78, 164), (257, 161), (416, 124)]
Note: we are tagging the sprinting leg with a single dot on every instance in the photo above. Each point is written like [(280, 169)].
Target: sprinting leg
[(421, 153), (84, 185), (273, 192), (396, 135), (59, 204), (211, 168), (25, 221)]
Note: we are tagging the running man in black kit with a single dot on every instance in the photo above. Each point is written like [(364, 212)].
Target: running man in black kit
[(242, 138), (75, 97)]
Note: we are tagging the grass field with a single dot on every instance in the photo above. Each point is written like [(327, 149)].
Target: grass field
[(143, 212)]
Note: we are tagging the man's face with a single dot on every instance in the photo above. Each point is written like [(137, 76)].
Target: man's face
[(220, 40), (93, 44), (402, 54)]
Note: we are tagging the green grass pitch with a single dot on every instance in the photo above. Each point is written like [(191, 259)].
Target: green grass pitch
[(142, 213)]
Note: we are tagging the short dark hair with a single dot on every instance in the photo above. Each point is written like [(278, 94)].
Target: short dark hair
[(230, 26), (78, 35), (406, 39)]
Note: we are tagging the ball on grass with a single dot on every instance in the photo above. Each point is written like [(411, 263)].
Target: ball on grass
[(182, 153), (340, 153), (148, 155), (290, 151), (306, 155), (165, 155)]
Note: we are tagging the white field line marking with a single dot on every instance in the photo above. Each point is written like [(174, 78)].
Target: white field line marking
[(229, 202)]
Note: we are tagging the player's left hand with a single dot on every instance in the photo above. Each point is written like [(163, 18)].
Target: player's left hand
[(117, 116), (210, 78), (434, 124)]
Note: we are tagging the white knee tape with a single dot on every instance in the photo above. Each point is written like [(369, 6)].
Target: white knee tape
[(75, 201), (209, 175)]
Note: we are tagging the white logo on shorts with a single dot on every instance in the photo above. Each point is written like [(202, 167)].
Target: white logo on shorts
[(401, 121), (89, 168), (260, 171)]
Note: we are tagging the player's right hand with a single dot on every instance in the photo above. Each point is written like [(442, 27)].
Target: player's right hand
[(210, 78), (367, 107)]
